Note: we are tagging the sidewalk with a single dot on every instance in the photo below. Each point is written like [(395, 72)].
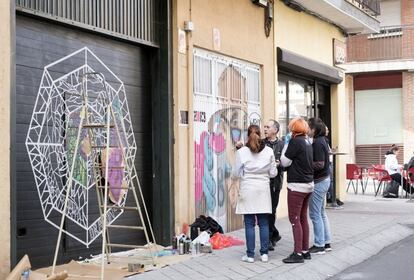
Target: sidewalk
[(360, 230)]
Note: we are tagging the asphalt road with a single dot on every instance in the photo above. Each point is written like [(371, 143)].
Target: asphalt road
[(392, 263)]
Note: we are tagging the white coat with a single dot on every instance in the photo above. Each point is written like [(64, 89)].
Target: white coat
[(391, 164), (254, 171)]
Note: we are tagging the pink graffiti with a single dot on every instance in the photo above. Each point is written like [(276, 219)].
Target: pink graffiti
[(199, 166), (217, 142)]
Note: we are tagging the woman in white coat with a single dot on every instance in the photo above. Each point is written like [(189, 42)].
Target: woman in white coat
[(255, 164), (394, 169)]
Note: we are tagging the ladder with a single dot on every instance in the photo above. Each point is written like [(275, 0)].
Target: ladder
[(100, 153)]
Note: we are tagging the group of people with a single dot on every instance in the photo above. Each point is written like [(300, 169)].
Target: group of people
[(260, 163)]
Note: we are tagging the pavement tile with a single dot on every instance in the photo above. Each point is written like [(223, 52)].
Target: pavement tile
[(361, 229)]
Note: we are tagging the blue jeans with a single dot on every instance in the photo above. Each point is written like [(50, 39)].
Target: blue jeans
[(321, 228), (249, 226), (330, 195)]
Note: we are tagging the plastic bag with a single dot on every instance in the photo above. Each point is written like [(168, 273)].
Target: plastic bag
[(220, 241), (202, 238), (235, 241)]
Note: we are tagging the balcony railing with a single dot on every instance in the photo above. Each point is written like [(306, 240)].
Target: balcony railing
[(371, 7), (390, 44)]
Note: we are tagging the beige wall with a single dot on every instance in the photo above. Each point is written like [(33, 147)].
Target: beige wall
[(408, 114), (349, 87), (5, 89), (309, 36), (340, 134), (241, 26), (304, 34)]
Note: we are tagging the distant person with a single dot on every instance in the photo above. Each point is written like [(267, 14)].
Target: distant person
[(297, 157), (330, 194), (410, 163), (255, 165), (389, 152), (322, 180), (271, 129), (394, 169)]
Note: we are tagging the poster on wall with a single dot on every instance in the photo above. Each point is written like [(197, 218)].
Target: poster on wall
[(226, 101)]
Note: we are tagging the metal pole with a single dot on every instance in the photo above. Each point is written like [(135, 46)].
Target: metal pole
[(108, 136)]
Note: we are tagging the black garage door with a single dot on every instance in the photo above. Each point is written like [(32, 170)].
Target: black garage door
[(39, 43)]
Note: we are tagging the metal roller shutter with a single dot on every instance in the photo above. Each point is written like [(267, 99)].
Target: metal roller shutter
[(39, 43)]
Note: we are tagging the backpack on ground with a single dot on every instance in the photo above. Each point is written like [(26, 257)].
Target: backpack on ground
[(391, 190), (204, 223)]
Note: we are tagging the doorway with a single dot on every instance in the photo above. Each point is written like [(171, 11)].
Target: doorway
[(302, 97)]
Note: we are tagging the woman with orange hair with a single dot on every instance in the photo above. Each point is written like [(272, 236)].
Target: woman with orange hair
[(297, 157)]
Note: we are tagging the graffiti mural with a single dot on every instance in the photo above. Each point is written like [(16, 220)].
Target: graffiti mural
[(220, 121)]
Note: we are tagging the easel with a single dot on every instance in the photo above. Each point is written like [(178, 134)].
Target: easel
[(105, 127)]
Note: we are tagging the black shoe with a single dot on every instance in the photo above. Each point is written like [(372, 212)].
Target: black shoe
[(328, 247), (306, 256), (275, 240), (340, 203), (329, 201), (270, 247), (294, 258), (317, 250)]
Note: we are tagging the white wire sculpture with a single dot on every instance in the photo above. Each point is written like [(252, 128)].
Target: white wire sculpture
[(52, 135)]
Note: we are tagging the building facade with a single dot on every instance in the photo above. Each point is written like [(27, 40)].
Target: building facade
[(229, 74), (310, 40), (132, 38), (223, 81), (197, 73), (381, 103), (6, 87)]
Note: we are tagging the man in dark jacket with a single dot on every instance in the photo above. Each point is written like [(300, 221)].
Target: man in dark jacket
[(271, 129)]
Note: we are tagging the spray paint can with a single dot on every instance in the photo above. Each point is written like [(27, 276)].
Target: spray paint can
[(174, 242), (181, 247), (187, 243), (198, 246)]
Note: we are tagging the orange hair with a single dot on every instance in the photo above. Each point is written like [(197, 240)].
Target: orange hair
[(298, 126)]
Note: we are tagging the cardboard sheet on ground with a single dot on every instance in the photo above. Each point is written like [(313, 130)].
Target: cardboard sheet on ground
[(142, 256), (79, 271), (118, 269)]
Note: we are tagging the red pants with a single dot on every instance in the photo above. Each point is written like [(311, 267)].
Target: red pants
[(298, 203)]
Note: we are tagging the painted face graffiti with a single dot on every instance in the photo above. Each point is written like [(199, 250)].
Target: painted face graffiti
[(214, 157)]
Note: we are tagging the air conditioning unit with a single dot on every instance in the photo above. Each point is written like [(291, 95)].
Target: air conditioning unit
[(261, 3)]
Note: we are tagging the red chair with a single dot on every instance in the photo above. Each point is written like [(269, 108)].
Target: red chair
[(382, 176), (354, 173), (371, 175)]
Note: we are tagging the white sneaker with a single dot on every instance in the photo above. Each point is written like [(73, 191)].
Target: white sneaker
[(247, 259), (264, 257)]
